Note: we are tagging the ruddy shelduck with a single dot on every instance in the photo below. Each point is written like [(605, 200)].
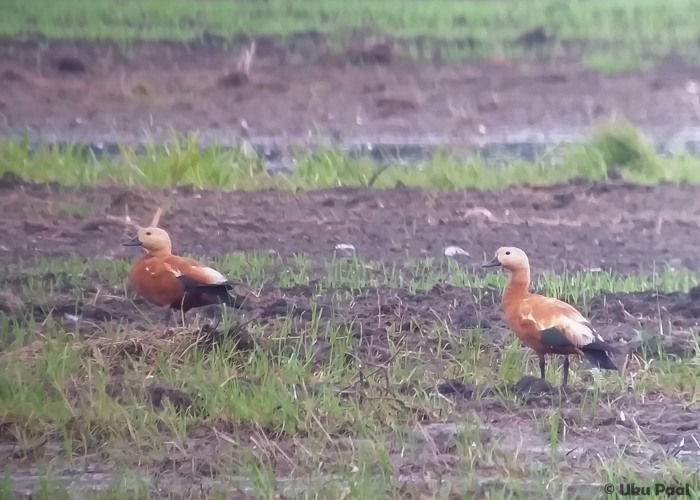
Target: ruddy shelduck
[(171, 281), (544, 324)]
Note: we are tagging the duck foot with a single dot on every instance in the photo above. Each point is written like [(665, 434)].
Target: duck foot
[(565, 377)]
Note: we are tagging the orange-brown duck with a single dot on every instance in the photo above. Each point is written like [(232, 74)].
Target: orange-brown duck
[(544, 324), (171, 281)]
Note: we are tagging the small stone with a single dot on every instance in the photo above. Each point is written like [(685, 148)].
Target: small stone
[(452, 251)]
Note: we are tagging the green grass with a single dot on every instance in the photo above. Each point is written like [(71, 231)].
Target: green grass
[(276, 408), (636, 28), (616, 147), (617, 20), (356, 274)]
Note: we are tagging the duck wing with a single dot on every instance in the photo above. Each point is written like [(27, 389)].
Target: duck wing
[(561, 325)]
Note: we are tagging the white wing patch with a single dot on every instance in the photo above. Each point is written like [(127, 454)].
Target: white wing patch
[(215, 276), (569, 321), (530, 317), (571, 312), (579, 333)]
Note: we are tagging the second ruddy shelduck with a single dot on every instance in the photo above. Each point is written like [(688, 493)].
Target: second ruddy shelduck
[(545, 324), (171, 281)]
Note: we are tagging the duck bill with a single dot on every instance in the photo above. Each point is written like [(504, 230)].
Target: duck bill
[(133, 242), (492, 263)]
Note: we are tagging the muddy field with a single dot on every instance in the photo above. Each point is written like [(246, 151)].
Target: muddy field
[(299, 88), (300, 85), (579, 225)]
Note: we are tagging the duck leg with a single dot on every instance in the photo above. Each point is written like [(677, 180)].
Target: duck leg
[(565, 378), (542, 365), (168, 316)]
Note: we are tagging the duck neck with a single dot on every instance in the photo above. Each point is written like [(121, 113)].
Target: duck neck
[(161, 252), (519, 284)]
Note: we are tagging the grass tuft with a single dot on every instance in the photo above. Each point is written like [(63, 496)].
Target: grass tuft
[(622, 147)]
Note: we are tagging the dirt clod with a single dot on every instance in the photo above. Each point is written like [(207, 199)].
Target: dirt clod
[(10, 304), (11, 75), (371, 51), (682, 345), (456, 387), (531, 385), (9, 180), (70, 65), (233, 79), (393, 104), (33, 227), (535, 37), (159, 392)]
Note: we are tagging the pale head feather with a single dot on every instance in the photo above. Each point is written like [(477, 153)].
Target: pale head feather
[(512, 258), (153, 238)]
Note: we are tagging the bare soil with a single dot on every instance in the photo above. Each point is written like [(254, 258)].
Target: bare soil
[(578, 225), (299, 88)]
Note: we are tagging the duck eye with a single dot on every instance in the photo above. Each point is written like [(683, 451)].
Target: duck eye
[(148, 233), (507, 253)]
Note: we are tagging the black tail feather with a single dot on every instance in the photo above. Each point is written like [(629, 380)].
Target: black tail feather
[(599, 345), (599, 358), (221, 294), (218, 291)]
